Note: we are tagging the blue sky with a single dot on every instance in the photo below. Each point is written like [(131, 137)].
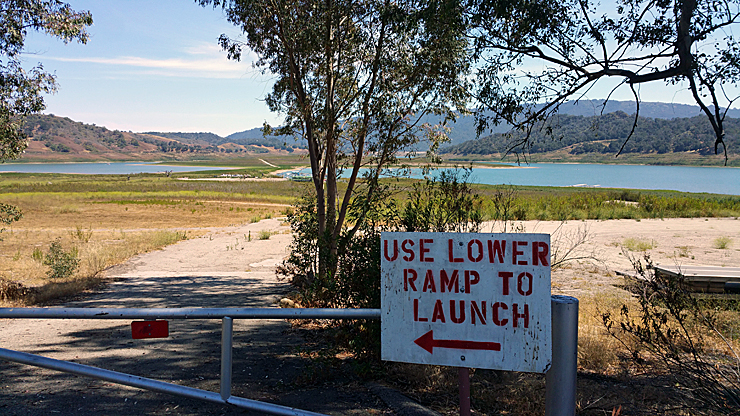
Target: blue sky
[(155, 65)]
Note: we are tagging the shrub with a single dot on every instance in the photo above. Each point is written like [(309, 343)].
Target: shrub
[(8, 215), (722, 243), (671, 329), (62, 264), (636, 244), (446, 203)]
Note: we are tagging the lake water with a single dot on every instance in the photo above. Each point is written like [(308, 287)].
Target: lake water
[(116, 168), (716, 180)]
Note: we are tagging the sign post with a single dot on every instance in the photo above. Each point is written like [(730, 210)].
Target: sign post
[(467, 300)]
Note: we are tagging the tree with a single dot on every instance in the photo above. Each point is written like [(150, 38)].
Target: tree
[(534, 55), (354, 79), (20, 90)]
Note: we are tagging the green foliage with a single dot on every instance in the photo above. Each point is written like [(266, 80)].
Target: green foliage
[(81, 234), (570, 45), (62, 264), (354, 79), (445, 203), (21, 90), (636, 244), (8, 215), (722, 243), (602, 205), (604, 134)]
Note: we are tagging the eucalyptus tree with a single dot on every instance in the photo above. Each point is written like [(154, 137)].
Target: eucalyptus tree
[(20, 89), (354, 78), (534, 55)]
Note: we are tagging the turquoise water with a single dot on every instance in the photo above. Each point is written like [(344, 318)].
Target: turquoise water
[(117, 168), (678, 178)]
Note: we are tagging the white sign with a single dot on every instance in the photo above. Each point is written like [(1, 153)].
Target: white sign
[(466, 300)]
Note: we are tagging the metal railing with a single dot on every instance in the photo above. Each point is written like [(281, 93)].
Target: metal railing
[(560, 379), (227, 315)]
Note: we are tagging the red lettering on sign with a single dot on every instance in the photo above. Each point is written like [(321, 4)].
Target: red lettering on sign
[(505, 276), (452, 257), (409, 252), (479, 312), (496, 248), (449, 282), (520, 284), (429, 282), (495, 318), (453, 316), (416, 312), (409, 277), (423, 250), (438, 314), (395, 250), (516, 315), (516, 253), (468, 281), (479, 248), (540, 251)]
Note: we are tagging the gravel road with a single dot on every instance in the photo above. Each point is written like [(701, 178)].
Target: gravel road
[(230, 267)]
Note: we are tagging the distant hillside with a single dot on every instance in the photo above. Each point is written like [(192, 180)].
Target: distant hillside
[(60, 138), (256, 137), (464, 128), (192, 138), (605, 134)]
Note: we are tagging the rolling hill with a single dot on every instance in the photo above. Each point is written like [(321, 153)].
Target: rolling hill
[(579, 129), (53, 138), (605, 134)]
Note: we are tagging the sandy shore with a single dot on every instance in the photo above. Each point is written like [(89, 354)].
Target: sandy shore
[(678, 241)]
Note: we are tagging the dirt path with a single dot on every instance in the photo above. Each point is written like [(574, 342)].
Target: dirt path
[(228, 268)]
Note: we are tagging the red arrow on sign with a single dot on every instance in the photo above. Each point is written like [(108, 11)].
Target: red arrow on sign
[(428, 342)]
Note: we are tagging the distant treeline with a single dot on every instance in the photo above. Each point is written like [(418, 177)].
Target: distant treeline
[(607, 133), (248, 138)]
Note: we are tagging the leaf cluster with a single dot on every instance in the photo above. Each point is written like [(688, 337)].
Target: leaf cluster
[(605, 134), (62, 264), (533, 56), (20, 90)]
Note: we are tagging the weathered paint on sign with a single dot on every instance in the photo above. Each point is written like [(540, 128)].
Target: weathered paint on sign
[(466, 300)]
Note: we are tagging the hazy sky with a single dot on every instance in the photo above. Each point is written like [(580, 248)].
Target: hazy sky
[(152, 66), (155, 65)]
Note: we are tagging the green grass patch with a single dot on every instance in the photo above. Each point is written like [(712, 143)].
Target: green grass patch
[(722, 243), (636, 244)]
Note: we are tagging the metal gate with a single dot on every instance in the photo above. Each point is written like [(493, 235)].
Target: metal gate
[(227, 315)]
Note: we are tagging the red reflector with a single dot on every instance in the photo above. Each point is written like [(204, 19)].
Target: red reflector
[(150, 329)]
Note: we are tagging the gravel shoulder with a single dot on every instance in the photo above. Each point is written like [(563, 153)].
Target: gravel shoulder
[(232, 267)]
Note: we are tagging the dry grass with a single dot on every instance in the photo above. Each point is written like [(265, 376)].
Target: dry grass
[(638, 245), (97, 252), (598, 351), (106, 228)]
